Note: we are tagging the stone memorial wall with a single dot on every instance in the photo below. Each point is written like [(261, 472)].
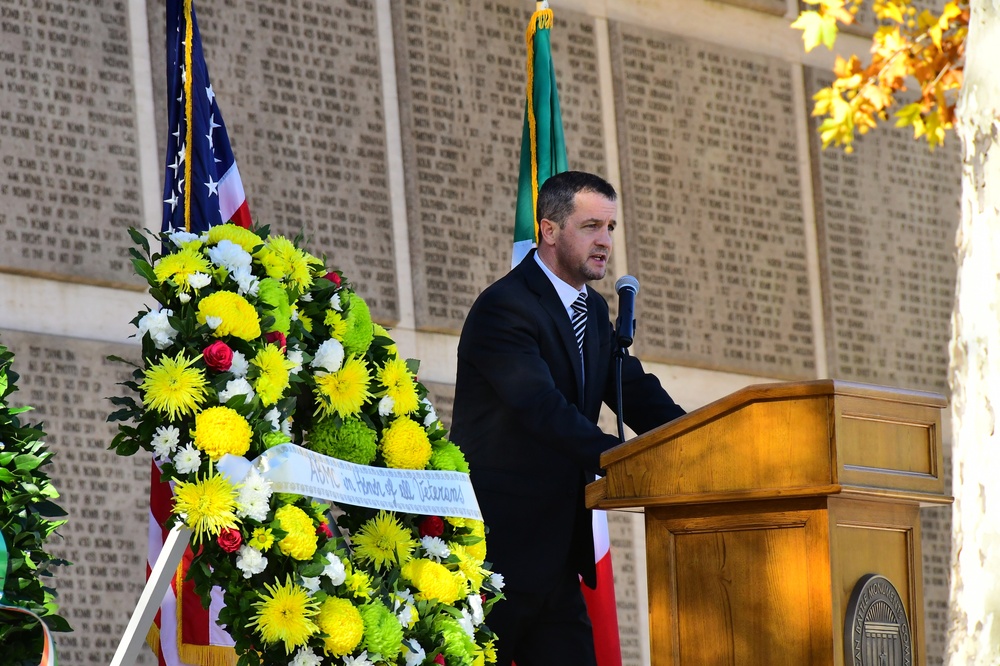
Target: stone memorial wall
[(67, 382), (300, 89), (712, 204), (68, 143), (461, 72)]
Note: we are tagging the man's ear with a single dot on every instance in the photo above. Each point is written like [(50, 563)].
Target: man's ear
[(547, 231)]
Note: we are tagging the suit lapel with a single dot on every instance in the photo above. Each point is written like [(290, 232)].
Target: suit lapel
[(549, 299)]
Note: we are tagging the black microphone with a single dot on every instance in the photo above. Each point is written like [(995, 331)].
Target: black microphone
[(627, 287)]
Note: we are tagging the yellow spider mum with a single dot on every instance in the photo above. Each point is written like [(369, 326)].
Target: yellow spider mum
[(285, 614), (245, 238), (283, 261), (383, 542), (179, 266), (433, 581), (341, 621), (359, 583), (261, 539), (272, 380), (399, 386), (300, 542), (337, 324), (470, 567), (173, 387), (208, 505), (405, 445), (478, 549), (344, 391), (238, 317), (221, 430)]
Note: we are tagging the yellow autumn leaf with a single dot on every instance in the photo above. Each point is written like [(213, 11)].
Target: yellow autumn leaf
[(909, 115), (812, 25), (877, 96), (890, 9), (935, 129)]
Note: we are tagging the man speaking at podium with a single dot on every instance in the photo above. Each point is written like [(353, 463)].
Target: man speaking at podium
[(535, 361)]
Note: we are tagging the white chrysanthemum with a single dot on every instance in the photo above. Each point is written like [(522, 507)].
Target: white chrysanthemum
[(361, 660), (385, 406), (431, 414), (436, 548), (476, 606), (329, 356), (184, 297), (305, 657), (213, 321), (307, 297), (158, 326), (187, 460), (199, 280), (229, 255), (335, 571), (335, 302), (235, 387), (247, 282), (466, 622), (165, 441), (496, 580), (240, 366), (256, 483), (294, 356), (405, 615), (181, 238), (250, 561), (413, 657), (311, 584), (286, 427), (253, 508)]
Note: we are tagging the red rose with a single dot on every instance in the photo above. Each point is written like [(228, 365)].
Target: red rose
[(218, 356), (278, 338), (324, 529), (431, 526), (230, 539), (333, 277), (439, 659)]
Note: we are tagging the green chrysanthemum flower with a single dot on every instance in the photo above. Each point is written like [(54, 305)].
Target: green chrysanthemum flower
[(447, 457), (383, 632), (457, 644), (354, 441), (360, 329), (272, 293)]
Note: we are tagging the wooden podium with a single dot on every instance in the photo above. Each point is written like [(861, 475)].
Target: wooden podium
[(766, 510)]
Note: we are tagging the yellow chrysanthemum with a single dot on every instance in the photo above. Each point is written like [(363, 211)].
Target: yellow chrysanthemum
[(383, 542), (433, 581), (245, 238), (344, 391), (208, 505), (405, 445), (359, 583), (300, 541), (336, 323), (221, 430), (399, 386), (238, 318), (272, 379), (179, 266), (478, 549), (340, 620), (261, 539), (307, 322), (490, 652), (469, 566), (283, 261), (173, 387), (285, 614)]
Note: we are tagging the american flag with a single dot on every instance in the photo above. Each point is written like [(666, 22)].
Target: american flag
[(202, 185)]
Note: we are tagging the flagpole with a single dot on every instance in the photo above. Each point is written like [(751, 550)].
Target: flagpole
[(152, 596)]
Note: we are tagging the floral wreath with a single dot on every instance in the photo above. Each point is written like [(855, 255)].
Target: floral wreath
[(257, 344)]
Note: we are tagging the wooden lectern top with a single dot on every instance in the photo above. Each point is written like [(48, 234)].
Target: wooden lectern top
[(794, 439)]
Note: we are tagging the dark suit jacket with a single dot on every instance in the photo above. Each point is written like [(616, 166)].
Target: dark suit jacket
[(525, 417)]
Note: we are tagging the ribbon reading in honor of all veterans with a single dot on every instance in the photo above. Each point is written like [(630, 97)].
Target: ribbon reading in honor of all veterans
[(293, 469), (48, 656)]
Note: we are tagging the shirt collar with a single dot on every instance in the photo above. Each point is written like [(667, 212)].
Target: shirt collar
[(567, 292)]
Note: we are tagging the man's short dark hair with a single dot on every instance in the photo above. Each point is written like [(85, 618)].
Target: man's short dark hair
[(555, 196)]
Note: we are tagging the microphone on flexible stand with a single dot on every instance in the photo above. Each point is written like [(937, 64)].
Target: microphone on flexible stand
[(627, 287)]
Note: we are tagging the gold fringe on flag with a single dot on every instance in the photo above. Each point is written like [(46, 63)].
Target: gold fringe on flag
[(540, 20), (190, 653)]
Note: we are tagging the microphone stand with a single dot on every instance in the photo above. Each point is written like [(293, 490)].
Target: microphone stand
[(620, 355)]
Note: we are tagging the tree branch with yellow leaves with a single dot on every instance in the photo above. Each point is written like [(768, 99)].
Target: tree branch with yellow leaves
[(907, 47)]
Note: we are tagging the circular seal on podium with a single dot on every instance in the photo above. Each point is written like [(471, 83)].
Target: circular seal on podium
[(876, 632)]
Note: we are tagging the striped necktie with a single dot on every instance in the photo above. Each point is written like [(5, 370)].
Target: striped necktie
[(579, 320)]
